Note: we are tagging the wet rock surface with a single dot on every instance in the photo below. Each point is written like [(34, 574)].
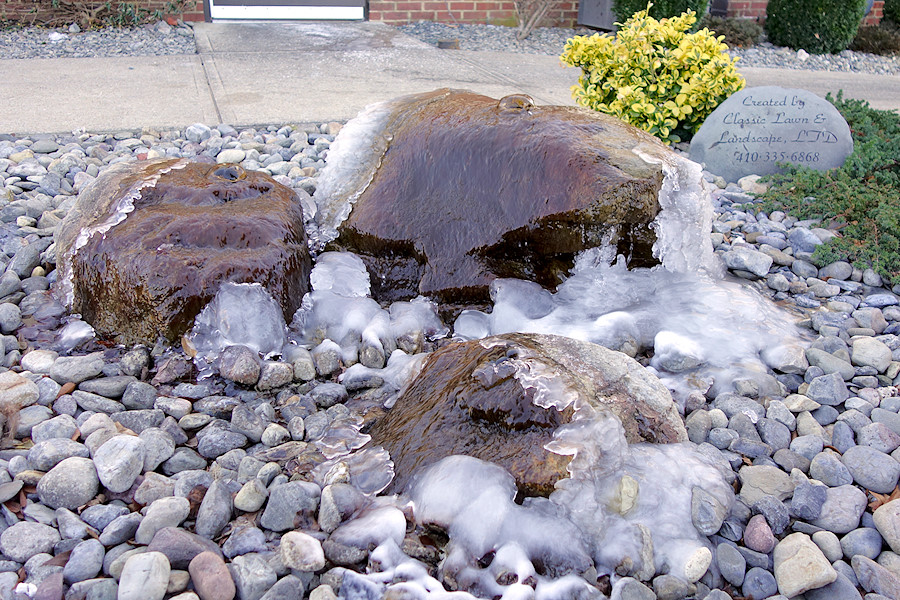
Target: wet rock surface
[(445, 210), (147, 245), (47, 514), (481, 399)]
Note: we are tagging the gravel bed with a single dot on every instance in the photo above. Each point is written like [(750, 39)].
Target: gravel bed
[(149, 40), (216, 463), (551, 40)]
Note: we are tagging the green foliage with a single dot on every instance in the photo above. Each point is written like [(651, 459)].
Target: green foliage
[(817, 26), (891, 10), (654, 74), (881, 39), (660, 9), (860, 199), (737, 32)]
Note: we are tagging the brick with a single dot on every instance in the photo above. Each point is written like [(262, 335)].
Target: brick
[(474, 16), (408, 6), (462, 6)]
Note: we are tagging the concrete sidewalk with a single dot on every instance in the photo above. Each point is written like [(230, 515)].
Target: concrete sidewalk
[(251, 73)]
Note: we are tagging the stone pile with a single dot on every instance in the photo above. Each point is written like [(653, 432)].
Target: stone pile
[(124, 477)]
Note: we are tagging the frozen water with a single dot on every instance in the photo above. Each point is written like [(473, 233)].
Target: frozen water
[(624, 510), (369, 470), (352, 159), (401, 368), (339, 309), (696, 323), (72, 335), (340, 272), (239, 314)]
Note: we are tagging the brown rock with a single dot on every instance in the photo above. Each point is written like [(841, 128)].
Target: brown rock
[(470, 399), (469, 189), (139, 274), (211, 578)]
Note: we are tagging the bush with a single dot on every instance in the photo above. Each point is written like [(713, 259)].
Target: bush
[(660, 9), (883, 39), (737, 32), (859, 199), (654, 75), (891, 10), (817, 26)]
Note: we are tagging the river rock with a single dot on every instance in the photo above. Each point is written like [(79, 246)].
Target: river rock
[(421, 229), (872, 469), (800, 565), (467, 400), (148, 243), (181, 546), (887, 521), (144, 577), (70, 484), (210, 577), (869, 352), (25, 539), (119, 461)]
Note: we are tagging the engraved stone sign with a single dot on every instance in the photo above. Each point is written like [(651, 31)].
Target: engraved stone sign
[(758, 127)]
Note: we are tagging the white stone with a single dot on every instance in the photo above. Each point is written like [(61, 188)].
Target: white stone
[(697, 564), (887, 522), (144, 577), (301, 551), (800, 565), (869, 352)]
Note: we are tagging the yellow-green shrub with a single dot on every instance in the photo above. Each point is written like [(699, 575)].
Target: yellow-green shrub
[(653, 74)]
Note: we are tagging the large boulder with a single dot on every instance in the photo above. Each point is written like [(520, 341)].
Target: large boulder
[(147, 245), (501, 399), (450, 189)]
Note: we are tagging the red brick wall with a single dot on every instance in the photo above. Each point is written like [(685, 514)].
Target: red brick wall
[(396, 12), (756, 9), (37, 11)]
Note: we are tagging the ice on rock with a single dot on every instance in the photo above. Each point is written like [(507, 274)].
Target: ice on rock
[(239, 314), (339, 309), (625, 510), (340, 272), (72, 335), (350, 168), (682, 309), (401, 368), (369, 470)]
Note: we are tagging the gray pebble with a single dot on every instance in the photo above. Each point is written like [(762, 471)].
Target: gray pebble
[(874, 470), (286, 502), (829, 469), (215, 510), (85, 561), (252, 575), (842, 510), (759, 583), (25, 539), (70, 484), (864, 541)]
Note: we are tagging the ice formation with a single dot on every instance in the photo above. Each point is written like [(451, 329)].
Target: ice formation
[(339, 309), (625, 510), (240, 313), (699, 325), (73, 334)]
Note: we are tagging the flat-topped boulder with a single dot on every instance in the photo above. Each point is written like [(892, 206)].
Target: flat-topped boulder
[(502, 398), (147, 245), (450, 190)]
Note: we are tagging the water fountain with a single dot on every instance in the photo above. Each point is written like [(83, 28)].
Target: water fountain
[(619, 494)]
